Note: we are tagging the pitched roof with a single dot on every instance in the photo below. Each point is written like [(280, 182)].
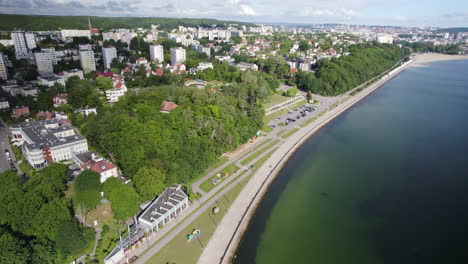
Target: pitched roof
[(167, 106), (99, 166)]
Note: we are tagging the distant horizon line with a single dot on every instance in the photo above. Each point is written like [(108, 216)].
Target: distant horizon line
[(236, 20)]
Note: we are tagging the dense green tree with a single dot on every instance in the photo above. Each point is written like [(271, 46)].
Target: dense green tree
[(87, 187), (124, 199), (103, 83), (13, 250), (70, 237), (149, 182), (43, 251)]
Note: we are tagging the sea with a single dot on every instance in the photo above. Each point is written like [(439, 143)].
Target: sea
[(385, 182)]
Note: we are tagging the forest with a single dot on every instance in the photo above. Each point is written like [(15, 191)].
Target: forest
[(37, 223), (430, 47), (29, 22), (183, 143), (339, 75)]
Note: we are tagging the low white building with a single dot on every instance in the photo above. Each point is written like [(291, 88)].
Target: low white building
[(243, 66), (86, 111), (91, 161), (4, 104), (113, 95), (51, 80), (170, 203), (204, 65)]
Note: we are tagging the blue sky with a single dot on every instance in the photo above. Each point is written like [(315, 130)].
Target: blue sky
[(370, 12)]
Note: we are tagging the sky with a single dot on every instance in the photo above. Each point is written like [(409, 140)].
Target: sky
[(439, 13)]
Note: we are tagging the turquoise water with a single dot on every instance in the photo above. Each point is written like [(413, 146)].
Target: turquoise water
[(386, 182)]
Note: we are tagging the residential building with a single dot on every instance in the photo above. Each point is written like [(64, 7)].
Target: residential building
[(50, 81), (15, 90), (30, 40), (177, 56), (3, 67), (167, 107), (21, 48), (108, 54), (385, 38), (52, 54), (44, 63), (45, 142), (204, 65), (113, 95), (141, 61), (73, 72), (170, 203), (4, 104), (156, 53), (88, 64), (91, 161), (60, 99), (70, 33), (247, 66), (206, 50), (44, 115), (6, 42), (86, 111), (20, 111)]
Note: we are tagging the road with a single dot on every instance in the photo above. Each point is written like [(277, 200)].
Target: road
[(4, 132)]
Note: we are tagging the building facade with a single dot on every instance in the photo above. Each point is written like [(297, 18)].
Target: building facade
[(30, 40), (21, 48), (52, 54), (108, 54), (45, 142), (177, 56), (88, 64), (157, 53), (44, 63), (3, 67)]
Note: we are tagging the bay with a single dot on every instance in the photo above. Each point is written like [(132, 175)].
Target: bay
[(386, 182)]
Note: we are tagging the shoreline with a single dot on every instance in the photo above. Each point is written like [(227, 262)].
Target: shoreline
[(224, 242)]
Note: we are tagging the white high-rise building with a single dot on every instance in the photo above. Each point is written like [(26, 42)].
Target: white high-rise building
[(88, 64), (156, 53), (44, 63), (3, 67), (177, 56), (108, 54), (51, 51), (21, 48), (30, 40)]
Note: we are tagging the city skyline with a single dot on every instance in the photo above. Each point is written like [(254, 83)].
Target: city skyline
[(451, 13)]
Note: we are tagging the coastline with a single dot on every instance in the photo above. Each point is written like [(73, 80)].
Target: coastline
[(223, 244), (426, 58)]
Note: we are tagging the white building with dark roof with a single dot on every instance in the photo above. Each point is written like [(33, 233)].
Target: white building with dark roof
[(45, 142), (170, 203)]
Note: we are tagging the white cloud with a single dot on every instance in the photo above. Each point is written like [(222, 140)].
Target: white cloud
[(246, 10), (340, 14)]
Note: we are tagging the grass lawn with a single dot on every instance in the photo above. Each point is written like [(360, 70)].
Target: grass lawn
[(179, 250), (274, 100), (259, 152), (292, 131), (220, 162), (266, 128), (281, 132), (208, 186), (102, 213), (308, 121)]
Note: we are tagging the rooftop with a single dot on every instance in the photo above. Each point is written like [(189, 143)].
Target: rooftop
[(165, 201)]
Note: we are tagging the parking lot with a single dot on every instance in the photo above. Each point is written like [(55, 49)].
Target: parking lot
[(294, 117)]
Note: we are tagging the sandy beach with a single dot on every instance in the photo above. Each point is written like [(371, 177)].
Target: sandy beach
[(425, 58), (223, 244)]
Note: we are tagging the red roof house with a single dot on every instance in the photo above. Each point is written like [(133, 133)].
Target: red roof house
[(166, 107)]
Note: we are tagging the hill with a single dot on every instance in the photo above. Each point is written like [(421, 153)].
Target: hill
[(30, 22)]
